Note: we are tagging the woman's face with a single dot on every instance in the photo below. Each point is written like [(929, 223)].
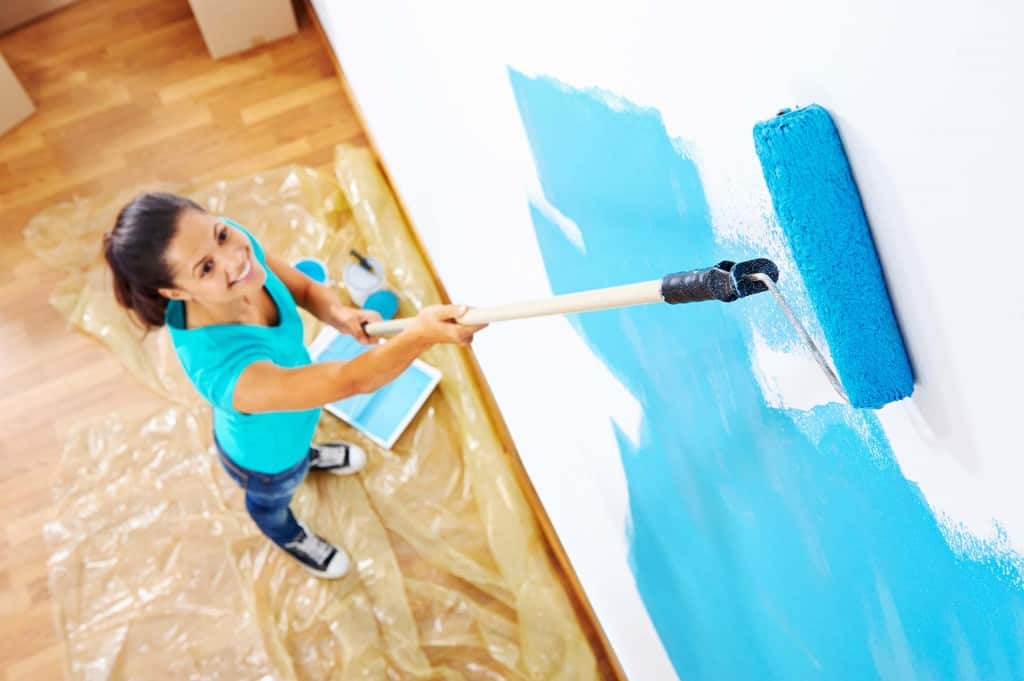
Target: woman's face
[(212, 262)]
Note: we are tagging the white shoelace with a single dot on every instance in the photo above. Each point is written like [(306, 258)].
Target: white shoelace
[(312, 546), (332, 455)]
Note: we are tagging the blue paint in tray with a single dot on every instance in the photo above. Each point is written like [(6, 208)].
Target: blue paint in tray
[(384, 414)]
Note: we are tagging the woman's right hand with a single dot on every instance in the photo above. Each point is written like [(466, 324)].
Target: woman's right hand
[(438, 324)]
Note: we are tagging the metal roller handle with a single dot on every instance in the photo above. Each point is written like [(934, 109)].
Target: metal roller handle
[(801, 331)]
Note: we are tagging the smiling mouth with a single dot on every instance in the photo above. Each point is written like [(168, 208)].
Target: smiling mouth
[(246, 271)]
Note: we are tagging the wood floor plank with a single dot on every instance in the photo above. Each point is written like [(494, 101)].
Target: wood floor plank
[(206, 81), (56, 186), (20, 145), (78, 104), (289, 101)]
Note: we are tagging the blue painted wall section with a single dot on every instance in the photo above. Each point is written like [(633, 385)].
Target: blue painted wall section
[(761, 552)]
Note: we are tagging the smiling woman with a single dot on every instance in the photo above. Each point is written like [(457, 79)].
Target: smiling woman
[(232, 313), (218, 278)]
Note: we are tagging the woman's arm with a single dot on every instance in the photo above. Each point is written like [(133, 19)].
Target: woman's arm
[(264, 386)]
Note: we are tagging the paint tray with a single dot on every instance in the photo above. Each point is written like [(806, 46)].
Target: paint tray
[(382, 415)]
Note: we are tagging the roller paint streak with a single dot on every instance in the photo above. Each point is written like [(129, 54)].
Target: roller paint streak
[(766, 543)]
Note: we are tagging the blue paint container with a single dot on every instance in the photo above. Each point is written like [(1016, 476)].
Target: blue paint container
[(368, 287), (313, 268), (384, 302)]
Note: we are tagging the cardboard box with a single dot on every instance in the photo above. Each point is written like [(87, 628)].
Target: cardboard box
[(232, 26), (15, 106), (17, 12)]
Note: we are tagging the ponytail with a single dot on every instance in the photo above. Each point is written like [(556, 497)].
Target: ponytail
[(135, 248)]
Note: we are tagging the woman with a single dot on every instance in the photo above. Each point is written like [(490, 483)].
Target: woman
[(232, 315)]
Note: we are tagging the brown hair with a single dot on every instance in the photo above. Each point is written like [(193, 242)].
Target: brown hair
[(135, 248)]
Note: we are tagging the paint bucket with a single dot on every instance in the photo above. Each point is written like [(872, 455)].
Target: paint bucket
[(362, 282), (367, 287), (313, 268)]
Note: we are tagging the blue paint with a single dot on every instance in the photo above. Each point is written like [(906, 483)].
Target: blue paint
[(384, 302), (759, 552), (312, 268), (384, 413), (820, 212)]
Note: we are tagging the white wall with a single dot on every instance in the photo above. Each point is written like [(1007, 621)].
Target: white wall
[(927, 96)]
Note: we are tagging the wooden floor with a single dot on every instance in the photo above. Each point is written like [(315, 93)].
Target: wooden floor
[(126, 92)]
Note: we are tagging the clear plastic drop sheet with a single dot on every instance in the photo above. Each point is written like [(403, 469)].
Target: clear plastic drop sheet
[(156, 570)]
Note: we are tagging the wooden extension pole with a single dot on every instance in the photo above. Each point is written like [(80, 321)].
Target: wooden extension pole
[(584, 301)]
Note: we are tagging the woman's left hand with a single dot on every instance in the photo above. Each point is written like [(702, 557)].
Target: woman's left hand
[(350, 320)]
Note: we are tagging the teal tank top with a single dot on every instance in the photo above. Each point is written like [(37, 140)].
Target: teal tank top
[(215, 356)]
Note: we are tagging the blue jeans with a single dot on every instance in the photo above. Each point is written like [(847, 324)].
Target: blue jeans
[(267, 496)]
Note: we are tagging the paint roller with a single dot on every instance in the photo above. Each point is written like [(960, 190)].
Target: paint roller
[(819, 209), (820, 212)]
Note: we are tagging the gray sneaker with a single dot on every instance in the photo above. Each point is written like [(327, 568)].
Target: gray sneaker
[(318, 555)]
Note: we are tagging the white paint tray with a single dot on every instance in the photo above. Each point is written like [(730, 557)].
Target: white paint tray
[(382, 415)]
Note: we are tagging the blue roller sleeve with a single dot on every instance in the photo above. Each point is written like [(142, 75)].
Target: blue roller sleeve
[(820, 212)]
